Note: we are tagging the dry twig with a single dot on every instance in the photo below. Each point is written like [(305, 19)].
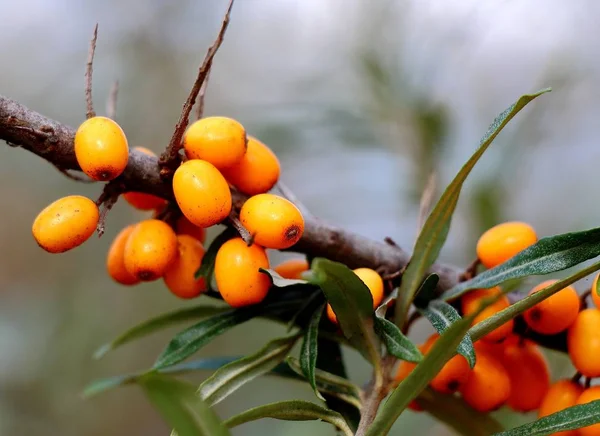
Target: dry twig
[(111, 101), (88, 75), (201, 97)]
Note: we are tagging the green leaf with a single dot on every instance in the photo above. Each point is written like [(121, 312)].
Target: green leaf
[(99, 386), (309, 302), (207, 267), (309, 350), (160, 322), (231, 377), (351, 302), (571, 418), (279, 281), (426, 292), (179, 405), (294, 410), (441, 315), (436, 227), (396, 343), (548, 255)]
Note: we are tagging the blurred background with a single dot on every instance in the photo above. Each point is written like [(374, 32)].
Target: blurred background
[(361, 99)]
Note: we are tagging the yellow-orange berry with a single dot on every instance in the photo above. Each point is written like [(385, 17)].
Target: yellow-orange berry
[(404, 369), (179, 276), (150, 249), (257, 172), (292, 268), (141, 200), (453, 375), (65, 224), (583, 342), (274, 221), (587, 396), (554, 314), (470, 303), (202, 193), (183, 226), (373, 281), (237, 273), (219, 140), (504, 241), (595, 296), (561, 395), (101, 148), (115, 262)]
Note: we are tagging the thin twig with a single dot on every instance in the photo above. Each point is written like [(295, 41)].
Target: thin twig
[(111, 101), (427, 199), (107, 199), (234, 222), (201, 97), (169, 160), (470, 271), (577, 377), (88, 75), (75, 177), (388, 240), (289, 194)]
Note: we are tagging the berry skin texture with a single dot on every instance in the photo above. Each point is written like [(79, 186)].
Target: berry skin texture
[(274, 221), (257, 172), (202, 193), (150, 249), (237, 273), (292, 268), (503, 241), (221, 141), (179, 276), (141, 200), (561, 395), (115, 262), (583, 342), (183, 226), (373, 281), (595, 296), (554, 314), (101, 148), (587, 396), (65, 224), (470, 303)]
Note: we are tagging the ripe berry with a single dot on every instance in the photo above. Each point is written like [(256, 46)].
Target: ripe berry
[(150, 249), (554, 314), (257, 172), (115, 262), (219, 140), (179, 276), (595, 296), (470, 303), (403, 371), (101, 148), (504, 241), (453, 375), (561, 395), (65, 224), (274, 221), (183, 226), (583, 342), (292, 268), (141, 200), (202, 193), (237, 273), (587, 396), (373, 281)]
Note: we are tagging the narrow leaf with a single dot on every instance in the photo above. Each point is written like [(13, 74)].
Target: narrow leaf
[(396, 343), (294, 410), (207, 267), (309, 350), (426, 291), (105, 384), (436, 227), (279, 281)]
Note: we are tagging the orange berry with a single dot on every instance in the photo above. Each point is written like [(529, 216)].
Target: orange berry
[(179, 276), (529, 375), (554, 314), (583, 342), (404, 369), (292, 268), (595, 296), (141, 200), (488, 387), (257, 172), (65, 224), (453, 375), (183, 226), (470, 303), (494, 349), (504, 241), (237, 273), (274, 221), (115, 262), (587, 396), (150, 249), (101, 148), (373, 281), (219, 140), (561, 395), (202, 193)]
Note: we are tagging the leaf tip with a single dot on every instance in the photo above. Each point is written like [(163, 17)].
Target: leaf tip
[(101, 351)]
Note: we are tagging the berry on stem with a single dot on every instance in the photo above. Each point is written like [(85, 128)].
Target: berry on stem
[(470, 303), (555, 313), (115, 261), (179, 276), (503, 241), (292, 268), (583, 342)]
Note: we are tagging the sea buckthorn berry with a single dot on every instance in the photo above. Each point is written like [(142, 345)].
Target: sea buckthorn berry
[(488, 387), (373, 281), (504, 241), (404, 369), (237, 273), (115, 262), (274, 221), (587, 396), (179, 276), (65, 224), (292, 268), (555, 313), (141, 200), (150, 249), (583, 342), (219, 140), (529, 375), (257, 172), (453, 375), (561, 395), (101, 148), (183, 226), (202, 193), (470, 303), (595, 296)]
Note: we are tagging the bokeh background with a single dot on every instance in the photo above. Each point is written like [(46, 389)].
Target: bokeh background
[(361, 100)]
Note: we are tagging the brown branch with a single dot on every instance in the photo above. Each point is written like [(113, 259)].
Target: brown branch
[(88, 75), (169, 160), (111, 101), (202, 97), (235, 222)]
